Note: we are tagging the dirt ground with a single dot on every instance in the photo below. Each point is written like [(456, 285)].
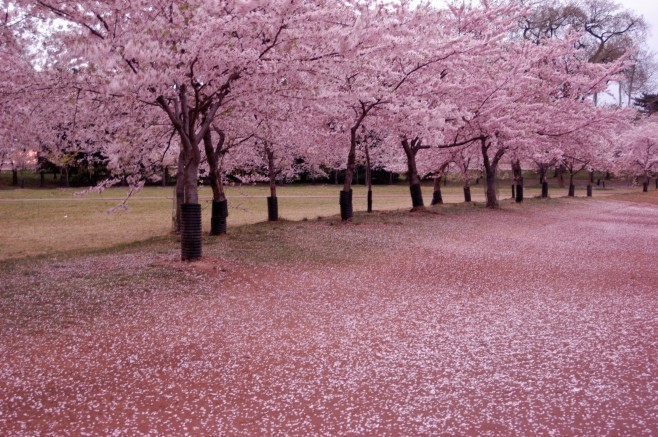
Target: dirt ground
[(539, 319)]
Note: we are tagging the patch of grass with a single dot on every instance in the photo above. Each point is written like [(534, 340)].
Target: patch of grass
[(651, 197), (62, 223)]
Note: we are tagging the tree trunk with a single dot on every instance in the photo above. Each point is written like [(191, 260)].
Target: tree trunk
[(560, 175), (346, 208), (467, 186), (410, 150), (191, 180), (437, 197), (272, 201), (490, 170), (214, 155), (490, 190), (467, 193), (542, 173), (14, 177), (179, 193), (572, 187), (368, 177), (517, 172), (165, 175), (518, 181)]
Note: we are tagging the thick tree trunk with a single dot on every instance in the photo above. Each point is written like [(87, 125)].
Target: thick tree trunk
[(490, 190), (179, 193), (437, 197), (490, 171), (219, 213), (14, 177), (345, 201), (572, 187), (410, 150), (191, 181)]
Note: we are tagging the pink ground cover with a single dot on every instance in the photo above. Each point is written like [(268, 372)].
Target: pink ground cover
[(541, 319)]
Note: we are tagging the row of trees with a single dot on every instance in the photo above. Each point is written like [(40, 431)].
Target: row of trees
[(266, 89)]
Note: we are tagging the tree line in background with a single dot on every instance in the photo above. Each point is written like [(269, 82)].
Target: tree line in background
[(267, 90)]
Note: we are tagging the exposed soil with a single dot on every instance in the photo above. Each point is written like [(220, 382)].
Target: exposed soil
[(536, 319)]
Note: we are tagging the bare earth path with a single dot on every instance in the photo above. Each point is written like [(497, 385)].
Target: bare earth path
[(540, 319)]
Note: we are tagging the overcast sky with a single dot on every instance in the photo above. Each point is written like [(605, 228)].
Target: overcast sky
[(646, 8), (649, 9)]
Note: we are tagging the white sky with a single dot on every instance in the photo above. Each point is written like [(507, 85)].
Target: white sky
[(648, 9)]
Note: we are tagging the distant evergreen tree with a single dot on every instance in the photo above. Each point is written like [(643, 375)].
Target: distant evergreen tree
[(647, 104)]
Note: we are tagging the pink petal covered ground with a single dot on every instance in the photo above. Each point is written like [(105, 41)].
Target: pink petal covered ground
[(534, 320)]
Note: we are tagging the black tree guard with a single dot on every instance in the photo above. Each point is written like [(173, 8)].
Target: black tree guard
[(218, 220), (369, 200), (544, 190), (513, 191), (272, 209), (190, 231), (346, 211), (645, 187), (572, 190), (589, 190), (467, 194), (519, 193)]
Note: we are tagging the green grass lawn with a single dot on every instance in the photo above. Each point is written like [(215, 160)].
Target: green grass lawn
[(58, 220)]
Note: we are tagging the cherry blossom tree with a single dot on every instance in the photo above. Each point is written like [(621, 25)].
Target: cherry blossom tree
[(182, 58), (637, 153)]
